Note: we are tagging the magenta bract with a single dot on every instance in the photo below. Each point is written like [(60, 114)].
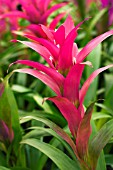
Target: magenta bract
[(36, 12), (63, 76)]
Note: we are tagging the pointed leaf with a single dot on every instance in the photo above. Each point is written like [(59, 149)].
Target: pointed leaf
[(72, 83), (87, 83), (69, 112), (37, 30), (4, 168), (40, 49), (11, 118), (83, 133), (59, 35), (55, 21), (65, 55), (91, 45), (99, 141), (43, 77), (101, 165), (43, 5), (57, 77), (66, 51), (52, 48), (47, 32), (69, 25), (97, 18), (53, 126), (50, 11), (39, 131), (96, 61), (58, 157)]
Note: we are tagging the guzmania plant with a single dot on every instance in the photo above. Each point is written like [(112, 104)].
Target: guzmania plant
[(63, 74)]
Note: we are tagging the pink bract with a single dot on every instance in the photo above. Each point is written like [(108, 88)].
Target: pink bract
[(36, 12), (66, 64)]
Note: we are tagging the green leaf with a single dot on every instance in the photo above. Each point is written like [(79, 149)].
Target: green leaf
[(2, 158), (20, 89), (11, 50), (20, 168), (56, 141), (96, 19), (99, 141), (9, 113), (40, 131), (109, 159), (4, 168), (58, 157), (108, 77), (100, 115), (39, 100), (53, 126), (81, 7), (105, 109), (109, 99), (56, 118), (101, 161), (94, 57)]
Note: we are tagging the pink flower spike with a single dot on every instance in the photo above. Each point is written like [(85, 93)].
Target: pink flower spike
[(57, 77), (69, 25), (91, 45), (87, 83), (72, 83), (69, 112), (43, 77), (65, 55)]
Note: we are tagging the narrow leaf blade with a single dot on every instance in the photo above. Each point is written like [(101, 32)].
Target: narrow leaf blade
[(99, 141), (57, 156)]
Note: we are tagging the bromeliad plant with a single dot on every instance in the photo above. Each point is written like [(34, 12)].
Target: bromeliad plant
[(34, 11), (66, 65), (8, 6)]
